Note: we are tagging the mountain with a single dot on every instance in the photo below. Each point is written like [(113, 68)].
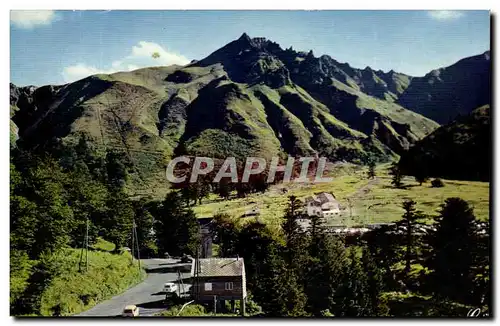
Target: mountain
[(445, 93), (250, 97), (460, 150)]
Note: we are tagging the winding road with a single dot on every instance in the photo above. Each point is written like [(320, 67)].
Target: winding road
[(148, 295)]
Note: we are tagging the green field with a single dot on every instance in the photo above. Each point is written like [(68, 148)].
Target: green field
[(372, 201)]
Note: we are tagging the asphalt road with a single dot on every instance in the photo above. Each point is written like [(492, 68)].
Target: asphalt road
[(148, 295)]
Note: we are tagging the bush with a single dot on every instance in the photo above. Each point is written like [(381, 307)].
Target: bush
[(189, 310), (326, 313), (437, 183)]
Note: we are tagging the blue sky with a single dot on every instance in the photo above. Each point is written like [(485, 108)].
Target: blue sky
[(56, 47)]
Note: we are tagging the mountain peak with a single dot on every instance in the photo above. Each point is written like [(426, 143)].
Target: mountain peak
[(244, 37), (486, 55)]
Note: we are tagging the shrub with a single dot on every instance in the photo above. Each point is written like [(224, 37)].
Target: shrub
[(189, 310), (437, 183)]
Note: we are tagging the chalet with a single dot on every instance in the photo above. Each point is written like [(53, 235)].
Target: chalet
[(216, 280), (323, 204)]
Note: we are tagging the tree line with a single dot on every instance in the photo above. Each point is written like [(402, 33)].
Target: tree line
[(391, 271), (55, 194)]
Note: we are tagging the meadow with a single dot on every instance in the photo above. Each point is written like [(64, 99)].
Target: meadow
[(365, 200)]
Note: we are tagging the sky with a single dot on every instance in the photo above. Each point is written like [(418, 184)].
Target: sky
[(57, 47)]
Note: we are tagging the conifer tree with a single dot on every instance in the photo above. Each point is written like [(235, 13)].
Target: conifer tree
[(396, 174), (409, 221), (177, 230), (453, 251), (371, 169), (352, 297), (375, 284)]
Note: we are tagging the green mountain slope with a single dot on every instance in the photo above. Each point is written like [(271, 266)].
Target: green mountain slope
[(445, 93), (248, 98), (460, 150)]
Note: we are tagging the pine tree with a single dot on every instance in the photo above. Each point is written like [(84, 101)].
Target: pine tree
[(255, 243), (421, 172), (352, 297), (116, 170), (116, 221), (226, 233), (295, 253), (384, 246), (317, 234), (176, 227), (371, 169), (397, 175), (453, 249), (324, 267), (375, 284), (144, 221), (278, 290), (295, 257), (409, 221), (421, 178), (41, 215), (481, 294)]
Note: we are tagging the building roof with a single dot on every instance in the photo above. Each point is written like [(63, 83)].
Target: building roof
[(323, 197), (219, 267), (252, 212)]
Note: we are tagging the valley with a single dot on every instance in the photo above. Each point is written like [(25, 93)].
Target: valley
[(99, 220), (372, 200)]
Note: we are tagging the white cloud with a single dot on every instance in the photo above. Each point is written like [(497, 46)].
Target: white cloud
[(140, 57), (32, 18), (445, 14), (81, 70)]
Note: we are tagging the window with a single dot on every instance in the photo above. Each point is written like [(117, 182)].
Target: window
[(208, 286), (228, 286)]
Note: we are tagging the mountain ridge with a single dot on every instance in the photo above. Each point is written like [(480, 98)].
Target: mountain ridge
[(460, 150), (447, 92), (250, 97)]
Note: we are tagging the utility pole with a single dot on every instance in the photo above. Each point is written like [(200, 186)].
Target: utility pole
[(197, 273), (179, 281), (137, 243), (87, 245), (133, 242), (81, 254)]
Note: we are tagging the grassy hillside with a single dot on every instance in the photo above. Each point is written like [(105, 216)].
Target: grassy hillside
[(66, 290), (459, 150), (351, 184), (445, 93), (247, 98)]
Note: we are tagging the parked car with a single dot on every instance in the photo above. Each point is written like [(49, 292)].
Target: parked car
[(170, 288), (186, 259), (131, 311)]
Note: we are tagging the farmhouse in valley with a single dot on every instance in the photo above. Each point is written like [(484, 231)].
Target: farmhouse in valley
[(323, 204)]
